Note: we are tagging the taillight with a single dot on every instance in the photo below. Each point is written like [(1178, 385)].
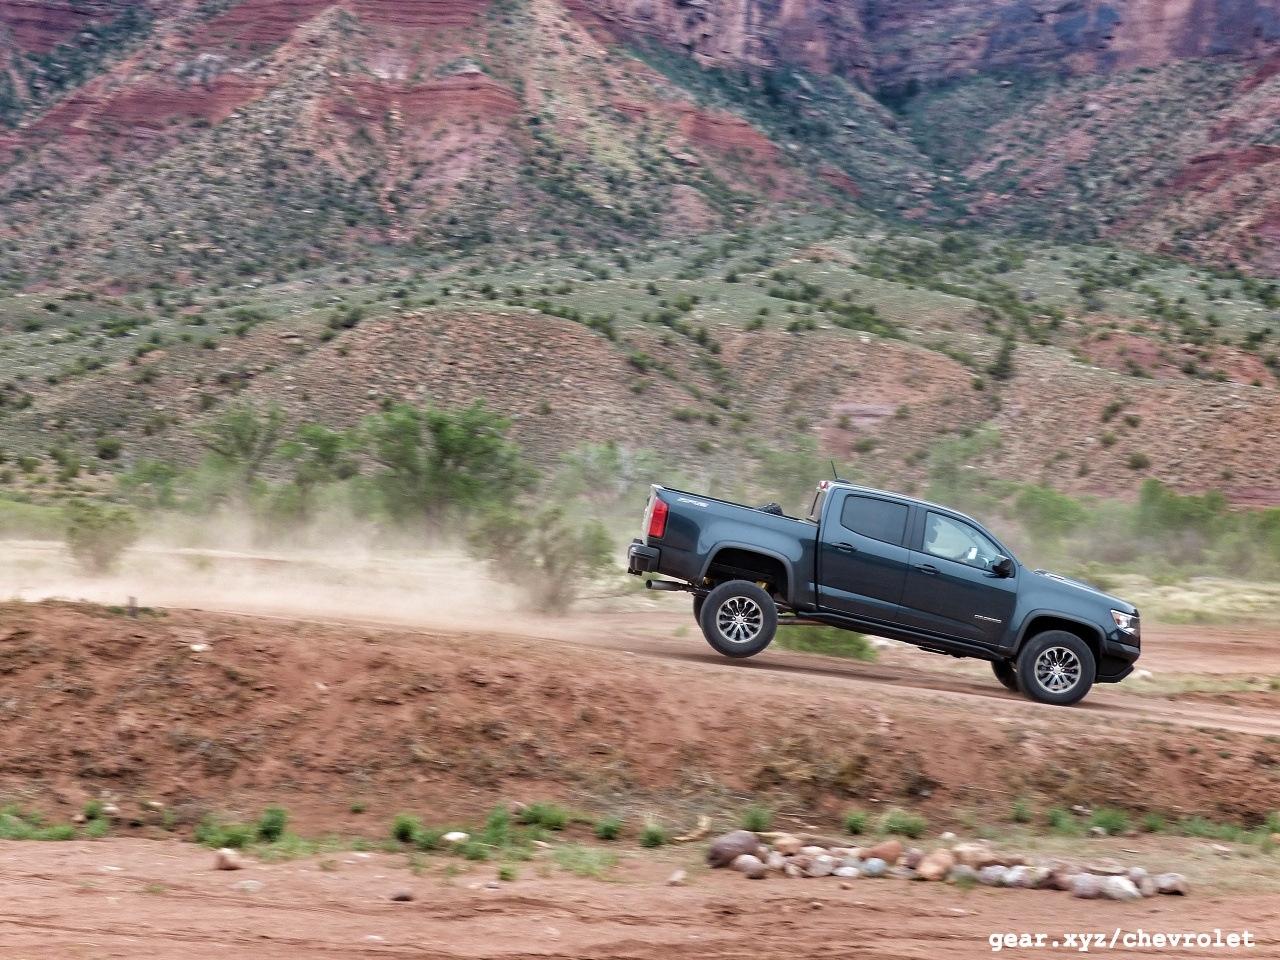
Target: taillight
[(658, 519)]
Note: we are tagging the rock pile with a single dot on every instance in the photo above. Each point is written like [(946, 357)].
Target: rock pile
[(759, 856)]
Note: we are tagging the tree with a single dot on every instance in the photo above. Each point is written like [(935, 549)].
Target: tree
[(437, 463), (98, 535), (245, 440), (543, 553)]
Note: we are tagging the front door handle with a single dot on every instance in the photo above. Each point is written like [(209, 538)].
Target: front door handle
[(928, 568), (846, 548)]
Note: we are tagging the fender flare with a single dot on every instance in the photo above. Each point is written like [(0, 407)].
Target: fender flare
[(752, 548), (1093, 629)]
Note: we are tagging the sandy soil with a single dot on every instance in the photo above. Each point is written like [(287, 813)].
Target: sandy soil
[(141, 899)]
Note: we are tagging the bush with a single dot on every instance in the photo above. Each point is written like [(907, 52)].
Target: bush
[(1063, 822), (829, 641), (98, 535), (757, 818), (609, 828), (1021, 811), (272, 823), (546, 815), (855, 822), (905, 823), (1113, 821), (652, 835), (404, 827), (213, 833)]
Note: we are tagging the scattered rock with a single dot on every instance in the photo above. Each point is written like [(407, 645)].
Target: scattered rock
[(1107, 868), (248, 886), (889, 851), (750, 866), (935, 865), (847, 873), (812, 851), (993, 875), (963, 873), (1019, 876), (1097, 832), (793, 871), (787, 845), (228, 859), (1146, 886), (947, 837), (1086, 886), (823, 865), (874, 867), (901, 873), (1120, 888), (402, 896), (912, 858), (774, 860), (456, 836), (976, 855), (1172, 884), (677, 879), (726, 849)]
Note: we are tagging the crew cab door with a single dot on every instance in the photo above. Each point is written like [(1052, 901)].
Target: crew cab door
[(862, 563), (951, 588)]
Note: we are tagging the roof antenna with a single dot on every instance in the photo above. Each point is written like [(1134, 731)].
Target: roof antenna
[(834, 474)]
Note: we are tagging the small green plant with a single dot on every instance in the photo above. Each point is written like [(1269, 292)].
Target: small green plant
[(547, 815), (404, 827), (757, 818), (1153, 823), (212, 832), (428, 838), (855, 822), (905, 823), (357, 806), (272, 823), (475, 850), (93, 809), (1021, 811), (652, 835), (507, 874), (585, 861), (1114, 822), (829, 641), (609, 828), (97, 828), (1063, 822)]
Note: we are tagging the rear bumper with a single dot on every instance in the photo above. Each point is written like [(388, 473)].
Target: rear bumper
[(642, 559)]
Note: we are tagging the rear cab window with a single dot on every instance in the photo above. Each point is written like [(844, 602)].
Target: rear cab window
[(872, 517)]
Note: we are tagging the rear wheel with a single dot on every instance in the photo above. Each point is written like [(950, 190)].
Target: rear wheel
[(1006, 673), (739, 619), (1056, 667)]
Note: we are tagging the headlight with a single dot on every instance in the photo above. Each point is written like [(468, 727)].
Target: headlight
[(1128, 622)]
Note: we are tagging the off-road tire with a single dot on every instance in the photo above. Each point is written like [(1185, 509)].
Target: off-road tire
[(1076, 668), (739, 619), (1007, 673), (697, 608)]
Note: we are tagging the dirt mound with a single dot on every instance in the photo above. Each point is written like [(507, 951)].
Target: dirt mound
[(210, 711)]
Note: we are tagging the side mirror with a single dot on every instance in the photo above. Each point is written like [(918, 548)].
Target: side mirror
[(1003, 567)]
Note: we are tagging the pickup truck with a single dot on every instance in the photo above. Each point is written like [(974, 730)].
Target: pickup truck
[(889, 565)]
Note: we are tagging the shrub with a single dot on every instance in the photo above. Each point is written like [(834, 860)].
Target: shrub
[(757, 818), (1063, 822), (1138, 461), (507, 874), (547, 815), (98, 535), (855, 822), (404, 827), (1021, 811), (1113, 821), (829, 641), (652, 835), (213, 833), (272, 823), (584, 861), (428, 838), (1153, 823), (905, 823), (609, 828)]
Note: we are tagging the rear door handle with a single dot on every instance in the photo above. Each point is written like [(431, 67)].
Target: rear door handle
[(928, 568), (846, 548)]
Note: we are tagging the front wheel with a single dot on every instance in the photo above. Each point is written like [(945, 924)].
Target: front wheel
[(1056, 667), (739, 619), (1006, 673)]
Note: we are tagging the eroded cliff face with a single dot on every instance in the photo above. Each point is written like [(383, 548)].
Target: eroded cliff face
[(889, 42)]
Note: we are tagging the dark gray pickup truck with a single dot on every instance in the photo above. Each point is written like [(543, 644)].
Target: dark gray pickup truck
[(889, 565)]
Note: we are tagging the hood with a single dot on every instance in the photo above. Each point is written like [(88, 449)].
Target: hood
[(1124, 606)]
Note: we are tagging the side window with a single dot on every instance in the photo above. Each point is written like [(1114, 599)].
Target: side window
[(955, 540), (877, 519)]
